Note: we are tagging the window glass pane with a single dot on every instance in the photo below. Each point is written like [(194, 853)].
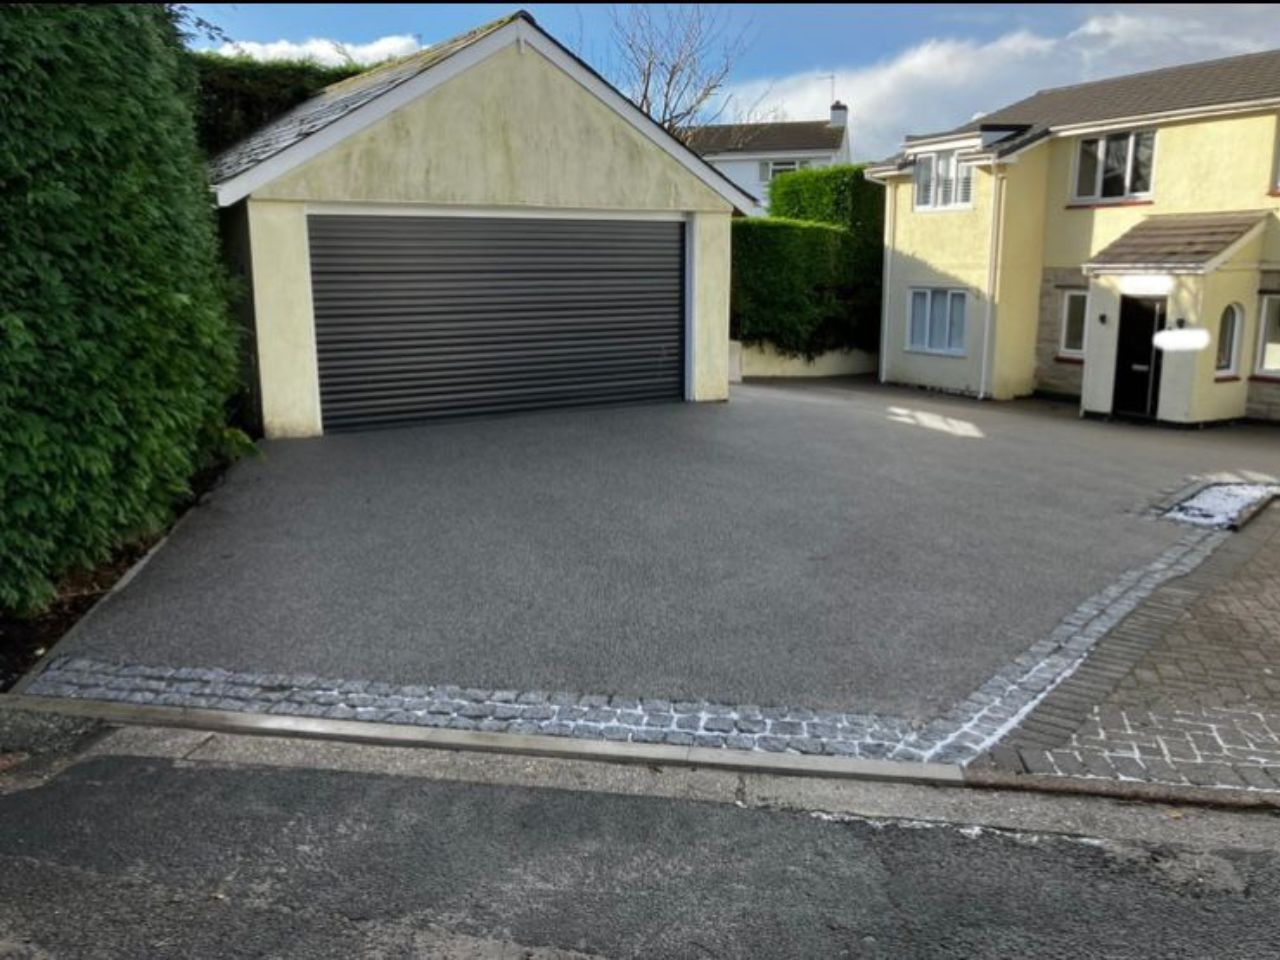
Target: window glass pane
[(1227, 339), (938, 320), (1073, 323), (964, 184), (1270, 355), (1144, 145), (946, 178), (924, 181), (1115, 165), (955, 333), (919, 318), (1087, 169)]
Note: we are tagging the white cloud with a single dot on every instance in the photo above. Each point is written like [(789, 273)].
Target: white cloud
[(330, 52), (941, 83)]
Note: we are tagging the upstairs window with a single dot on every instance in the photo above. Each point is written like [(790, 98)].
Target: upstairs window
[(942, 181), (1115, 167)]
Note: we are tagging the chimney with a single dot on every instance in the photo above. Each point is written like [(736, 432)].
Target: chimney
[(839, 114)]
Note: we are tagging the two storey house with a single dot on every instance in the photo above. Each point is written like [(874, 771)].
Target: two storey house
[(1041, 247)]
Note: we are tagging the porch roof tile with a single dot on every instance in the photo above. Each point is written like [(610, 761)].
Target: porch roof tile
[(1183, 240)]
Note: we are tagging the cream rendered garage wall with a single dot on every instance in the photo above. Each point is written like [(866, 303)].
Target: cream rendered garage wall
[(513, 133)]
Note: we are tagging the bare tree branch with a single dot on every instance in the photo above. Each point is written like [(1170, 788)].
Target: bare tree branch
[(675, 60)]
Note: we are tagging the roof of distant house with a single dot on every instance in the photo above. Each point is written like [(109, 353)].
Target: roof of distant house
[(774, 137), (1192, 86)]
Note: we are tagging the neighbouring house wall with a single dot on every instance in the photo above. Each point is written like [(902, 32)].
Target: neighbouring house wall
[(521, 134), (512, 130), (745, 170), (1199, 166), (1055, 374), (945, 248), (1017, 301)]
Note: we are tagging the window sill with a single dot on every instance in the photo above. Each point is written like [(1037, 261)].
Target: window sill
[(1226, 378), (954, 208), (1068, 358), (952, 354), (1102, 204), (1274, 192), (1266, 377)]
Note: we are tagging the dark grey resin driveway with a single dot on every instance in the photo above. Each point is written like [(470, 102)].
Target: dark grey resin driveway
[(837, 545)]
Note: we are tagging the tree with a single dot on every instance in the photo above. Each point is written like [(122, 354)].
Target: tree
[(673, 61)]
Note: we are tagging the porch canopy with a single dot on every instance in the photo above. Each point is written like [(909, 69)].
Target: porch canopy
[(1178, 243)]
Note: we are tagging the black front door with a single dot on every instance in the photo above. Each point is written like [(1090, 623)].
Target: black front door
[(1137, 389)]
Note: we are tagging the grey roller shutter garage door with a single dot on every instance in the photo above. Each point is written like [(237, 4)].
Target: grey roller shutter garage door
[(421, 317)]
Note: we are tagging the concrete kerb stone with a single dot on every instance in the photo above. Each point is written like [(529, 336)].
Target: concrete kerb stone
[(410, 735)]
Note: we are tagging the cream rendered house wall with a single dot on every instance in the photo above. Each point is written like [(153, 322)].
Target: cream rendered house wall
[(1021, 262), (935, 248), (1201, 166), (512, 133)]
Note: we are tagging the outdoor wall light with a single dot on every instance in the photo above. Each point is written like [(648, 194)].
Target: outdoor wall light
[(1102, 319), (1181, 322)]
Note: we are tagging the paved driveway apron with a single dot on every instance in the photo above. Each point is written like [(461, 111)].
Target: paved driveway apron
[(803, 567), (1185, 692)]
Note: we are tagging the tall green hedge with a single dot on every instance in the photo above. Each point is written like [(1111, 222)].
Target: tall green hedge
[(116, 350), (237, 95), (791, 285), (843, 196)]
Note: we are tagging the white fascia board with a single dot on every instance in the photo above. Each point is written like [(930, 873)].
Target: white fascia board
[(240, 186), (518, 31), (1168, 116), (934, 144)]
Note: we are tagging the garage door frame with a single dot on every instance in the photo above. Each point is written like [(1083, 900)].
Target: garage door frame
[(434, 210)]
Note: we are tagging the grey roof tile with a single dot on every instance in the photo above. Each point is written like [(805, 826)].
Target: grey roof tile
[(1240, 79), (765, 137), (335, 102), (1187, 240)]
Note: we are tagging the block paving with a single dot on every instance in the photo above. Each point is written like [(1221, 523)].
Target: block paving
[(1185, 692)]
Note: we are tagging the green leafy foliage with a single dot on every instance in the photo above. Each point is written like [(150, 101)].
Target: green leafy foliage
[(844, 197), (237, 95), (117, 353), (792, 286)]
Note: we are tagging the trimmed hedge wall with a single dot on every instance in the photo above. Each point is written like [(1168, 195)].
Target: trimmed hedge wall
[(237, 95), (791, 285), (843, 197), (117, 353)]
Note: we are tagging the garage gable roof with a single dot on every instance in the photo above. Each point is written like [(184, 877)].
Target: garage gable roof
[(345, 108)]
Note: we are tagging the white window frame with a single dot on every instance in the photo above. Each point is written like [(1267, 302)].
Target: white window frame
[(1063, 314), (930, 293), (774, 168), (958, 173), (1258, 368), (1129, 195), (1232, 369)]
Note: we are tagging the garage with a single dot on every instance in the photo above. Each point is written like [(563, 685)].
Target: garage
[(484, 227), (423, 317)]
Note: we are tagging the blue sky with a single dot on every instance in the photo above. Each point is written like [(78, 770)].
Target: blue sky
[(902, 68)]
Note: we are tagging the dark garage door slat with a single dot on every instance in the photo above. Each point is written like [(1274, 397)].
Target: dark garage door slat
[(421, 317)]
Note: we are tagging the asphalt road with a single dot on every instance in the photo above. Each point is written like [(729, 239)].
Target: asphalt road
[(858, 548), (123, 856)]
